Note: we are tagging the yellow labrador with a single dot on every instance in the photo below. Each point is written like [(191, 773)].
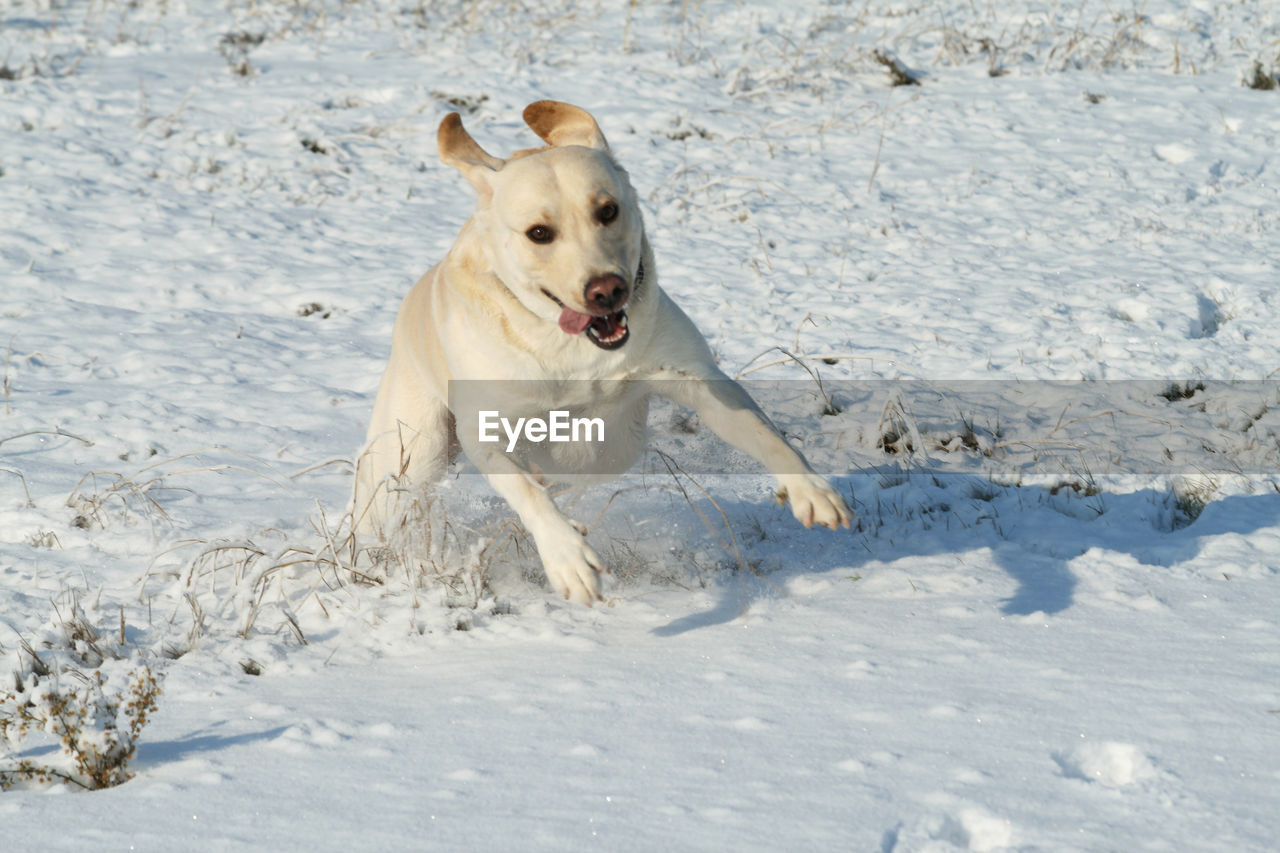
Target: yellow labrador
[(548, 309)]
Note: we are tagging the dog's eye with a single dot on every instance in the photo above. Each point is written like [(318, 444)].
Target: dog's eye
[(540, 234), (607, 214)]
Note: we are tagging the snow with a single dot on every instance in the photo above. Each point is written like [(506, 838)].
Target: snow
[(1054, 626)]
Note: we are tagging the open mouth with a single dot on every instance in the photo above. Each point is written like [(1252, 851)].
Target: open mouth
[(609, 331)]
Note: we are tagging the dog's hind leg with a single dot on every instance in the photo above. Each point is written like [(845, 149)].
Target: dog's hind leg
[(408, 449)]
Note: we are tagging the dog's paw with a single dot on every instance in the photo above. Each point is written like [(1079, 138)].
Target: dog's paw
[(813, 501), (572, 566)]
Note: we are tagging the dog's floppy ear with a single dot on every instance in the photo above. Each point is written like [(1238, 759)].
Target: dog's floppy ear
[(459, 150), (564, 124)]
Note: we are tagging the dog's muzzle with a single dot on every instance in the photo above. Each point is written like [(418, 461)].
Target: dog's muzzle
[(610, 295)]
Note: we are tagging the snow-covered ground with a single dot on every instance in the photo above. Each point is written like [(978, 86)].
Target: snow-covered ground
[(1054, 627)]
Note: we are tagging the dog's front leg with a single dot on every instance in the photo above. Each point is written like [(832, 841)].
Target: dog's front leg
[(571, 565), (729, 411)]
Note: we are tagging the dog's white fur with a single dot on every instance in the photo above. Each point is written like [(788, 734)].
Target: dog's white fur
[(495, 309)]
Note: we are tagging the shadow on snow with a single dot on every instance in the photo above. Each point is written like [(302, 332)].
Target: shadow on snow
[(1033, 534)]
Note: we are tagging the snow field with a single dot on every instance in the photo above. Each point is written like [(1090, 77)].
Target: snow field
[(209, 213)]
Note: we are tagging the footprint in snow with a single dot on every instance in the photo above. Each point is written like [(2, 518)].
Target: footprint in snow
[(1107, 763), (1173, 152)]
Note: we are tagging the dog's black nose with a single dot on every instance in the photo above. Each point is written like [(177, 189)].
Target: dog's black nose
[(606, 292)]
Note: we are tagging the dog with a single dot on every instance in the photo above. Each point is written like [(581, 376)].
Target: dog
[(548, 302)]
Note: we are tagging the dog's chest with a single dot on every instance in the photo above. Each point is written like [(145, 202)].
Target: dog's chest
[(560, 427)]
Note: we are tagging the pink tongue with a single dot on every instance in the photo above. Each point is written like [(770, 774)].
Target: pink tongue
[(572, 323)]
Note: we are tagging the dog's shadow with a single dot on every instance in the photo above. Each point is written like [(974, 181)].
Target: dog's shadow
[(1030, 538)]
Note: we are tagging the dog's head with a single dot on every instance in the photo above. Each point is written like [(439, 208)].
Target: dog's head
[(560, 224)]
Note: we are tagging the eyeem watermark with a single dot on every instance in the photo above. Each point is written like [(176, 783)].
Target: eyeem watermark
[(558, 426), (1005, 430)]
